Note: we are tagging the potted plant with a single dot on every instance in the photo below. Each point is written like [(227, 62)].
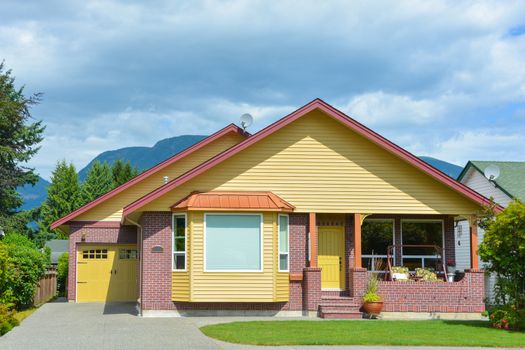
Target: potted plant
[(372, 302), (451, 271)]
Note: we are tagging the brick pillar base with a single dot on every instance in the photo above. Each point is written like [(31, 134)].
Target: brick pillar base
[(358, 279), (476, 278), (311, 288)]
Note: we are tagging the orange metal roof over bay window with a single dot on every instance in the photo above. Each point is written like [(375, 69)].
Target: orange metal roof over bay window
[(233, 201)]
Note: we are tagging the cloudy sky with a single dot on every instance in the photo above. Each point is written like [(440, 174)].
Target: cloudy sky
[(444, 79)]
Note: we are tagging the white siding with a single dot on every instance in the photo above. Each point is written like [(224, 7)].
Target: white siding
[(479, 183)]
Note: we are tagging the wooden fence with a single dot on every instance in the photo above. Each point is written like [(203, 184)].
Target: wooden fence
[(46, 287)]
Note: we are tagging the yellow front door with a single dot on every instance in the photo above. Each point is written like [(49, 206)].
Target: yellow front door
[(331, 257), (107, 272)]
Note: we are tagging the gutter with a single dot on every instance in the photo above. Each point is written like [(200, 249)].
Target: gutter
[(141, 256)]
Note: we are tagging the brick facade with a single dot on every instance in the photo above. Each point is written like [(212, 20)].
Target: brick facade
[(156, 265), (465, 295), (305, 286), (100, 232)]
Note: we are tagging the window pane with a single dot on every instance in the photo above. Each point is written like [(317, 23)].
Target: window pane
[(233, 242), (283, 262), (422, 233), (180, 226), (283, 233), (180, 262), (376, 236), (412, 263), (179, 245)]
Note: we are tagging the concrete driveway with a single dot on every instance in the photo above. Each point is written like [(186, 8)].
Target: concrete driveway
[(62, 325), (69, 326)]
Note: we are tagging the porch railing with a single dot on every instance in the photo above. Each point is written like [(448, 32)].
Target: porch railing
[(437, 257)]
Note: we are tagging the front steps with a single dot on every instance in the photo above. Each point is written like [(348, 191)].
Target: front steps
[(339, 307)]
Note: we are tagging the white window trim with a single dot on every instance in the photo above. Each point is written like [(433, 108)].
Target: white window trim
[(173, 252), (381, 256), (261, 242), (279, 241), (423, 257)]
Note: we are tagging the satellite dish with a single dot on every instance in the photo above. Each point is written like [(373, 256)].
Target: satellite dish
[(246, 120), (492, 172)]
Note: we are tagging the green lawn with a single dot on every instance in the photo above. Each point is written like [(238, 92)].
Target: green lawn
[(363, 332)]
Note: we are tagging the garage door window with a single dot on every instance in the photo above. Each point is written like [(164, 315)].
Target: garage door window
[(127, 254), (95, 254)]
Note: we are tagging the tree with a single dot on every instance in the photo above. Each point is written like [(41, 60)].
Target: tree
[(99, 180), (24, 266), (503, 247), (19, 137), (123, 172), (63, 196)]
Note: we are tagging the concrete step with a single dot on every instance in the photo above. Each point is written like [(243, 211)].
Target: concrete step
[(337, 313), (339, 301)]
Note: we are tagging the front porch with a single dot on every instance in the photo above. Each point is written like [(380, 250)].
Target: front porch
[(344, 249)]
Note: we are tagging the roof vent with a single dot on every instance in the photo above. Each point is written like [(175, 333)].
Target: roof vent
[(166, 179)]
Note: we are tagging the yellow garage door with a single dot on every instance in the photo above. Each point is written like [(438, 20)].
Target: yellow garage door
[(107, 272)]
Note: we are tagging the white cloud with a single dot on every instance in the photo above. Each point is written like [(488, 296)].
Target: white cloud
[(434, 76), (481, 144)]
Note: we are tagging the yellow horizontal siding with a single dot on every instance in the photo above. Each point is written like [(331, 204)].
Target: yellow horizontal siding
[(111, 209), (180, 286), (282, 289), (319, 165), (233, 286)]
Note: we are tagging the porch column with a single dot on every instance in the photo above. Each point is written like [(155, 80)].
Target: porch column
[(313, 239), (357, 240), (473, 244)]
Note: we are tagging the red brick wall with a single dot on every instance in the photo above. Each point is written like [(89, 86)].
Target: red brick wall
[(156, 267), (100, 232), (298, 230), (463, 296), (311, 288)]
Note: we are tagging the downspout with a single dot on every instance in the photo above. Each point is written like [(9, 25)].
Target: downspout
[(141, 257)]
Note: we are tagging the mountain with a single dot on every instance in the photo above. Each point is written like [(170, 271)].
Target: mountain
[(33, 195), (145, 157), (450, 169)]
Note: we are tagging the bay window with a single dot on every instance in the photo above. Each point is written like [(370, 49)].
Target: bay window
[(179, 242), (233, 242), (283, 243)]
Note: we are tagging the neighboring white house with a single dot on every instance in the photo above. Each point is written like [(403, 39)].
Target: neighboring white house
[(510, 184)]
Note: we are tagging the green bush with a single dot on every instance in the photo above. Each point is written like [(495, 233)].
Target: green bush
[(62, 270), (510, 317), (7, 319), (22, 264), (503, 248)]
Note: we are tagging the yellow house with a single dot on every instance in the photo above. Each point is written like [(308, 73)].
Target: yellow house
[(288, 221)]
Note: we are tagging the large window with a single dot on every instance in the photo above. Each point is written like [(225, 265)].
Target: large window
[(376, 236), (179, 242), (424, 232), (283, 243), (233, 242)]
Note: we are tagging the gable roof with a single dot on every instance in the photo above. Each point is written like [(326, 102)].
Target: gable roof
[(338, 116), (234, 200), (511, 179), (232, 128)]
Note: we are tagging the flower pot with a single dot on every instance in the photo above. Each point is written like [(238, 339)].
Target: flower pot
[(373, 308), (451, 276)]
